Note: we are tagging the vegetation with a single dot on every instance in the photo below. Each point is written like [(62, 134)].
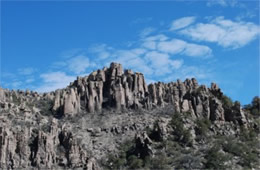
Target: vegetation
[(227, 102), (45, 105), (202, 128), (215, 159), (177, 152), (181, 134), (16, 100), (254, 107)]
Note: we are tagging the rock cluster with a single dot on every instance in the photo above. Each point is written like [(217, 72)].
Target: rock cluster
[(26, 146), (110, 87), (28, 138), (143, 145), (122, 89)]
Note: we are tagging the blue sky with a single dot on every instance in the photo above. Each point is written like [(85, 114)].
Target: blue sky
[(45, 45)]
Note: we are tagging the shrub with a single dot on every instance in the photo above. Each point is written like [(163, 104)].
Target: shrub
[(215, 159), (181, 134), (134, 162), (234, 147), (254, 107), (16, 101), (115, 162), (202, 127), (159, 161), (226, 101), (250, 160), (45, 105), (188, 162), (248, 134)]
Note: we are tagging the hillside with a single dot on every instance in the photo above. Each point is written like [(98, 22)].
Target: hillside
[(111, 119)]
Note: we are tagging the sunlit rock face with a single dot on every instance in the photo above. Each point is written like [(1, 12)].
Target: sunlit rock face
[(117, 88)]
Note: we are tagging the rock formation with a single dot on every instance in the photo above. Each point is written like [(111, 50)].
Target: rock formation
[(42, 130), (110, 87), (115, 88), (24, 147)]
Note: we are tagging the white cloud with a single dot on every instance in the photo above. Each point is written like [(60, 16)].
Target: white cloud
[(182, 23), (157, 59), (72, 53), (150, 45), (16, 83), (102, 51), (161, 43), (147, 31), (223, 3), (217, 2), (29, 80), (224, 32), (177, 63), (176, 46), (149, 81), (195, 50), (133, 59), (161, 63), (159, 37), (185, 72), (78, 64), (26, 71), (54, 80)]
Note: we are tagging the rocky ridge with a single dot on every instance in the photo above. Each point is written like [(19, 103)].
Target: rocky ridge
[(108, 106), (123, 89)]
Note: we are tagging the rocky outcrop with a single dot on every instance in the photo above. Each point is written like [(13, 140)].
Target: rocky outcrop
[(159, 131), (2, 95), (56, 130), (110, 87), (216, 110), (45, 149), (116, 88), (143, 145)]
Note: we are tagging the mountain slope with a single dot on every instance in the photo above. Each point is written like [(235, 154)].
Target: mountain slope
[(112, 119)]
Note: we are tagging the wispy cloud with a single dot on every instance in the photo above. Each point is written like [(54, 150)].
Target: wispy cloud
[(223, 3), (101, 51), (141, 20), (176, 46), (182, 23), (201, 73), (78, 64), (161, 63), (163, 44), (29, 80), (225, 33), (16, 83), (26, 71), (147, 31), (54, 80)]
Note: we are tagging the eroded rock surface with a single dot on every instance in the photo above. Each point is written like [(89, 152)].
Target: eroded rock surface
[(78, 125), (120, 89)]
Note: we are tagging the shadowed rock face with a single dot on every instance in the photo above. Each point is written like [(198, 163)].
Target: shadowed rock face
[(116, 88)]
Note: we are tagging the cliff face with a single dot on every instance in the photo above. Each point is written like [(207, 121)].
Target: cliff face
[(122, 89), (76, 127), (110, 87)]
